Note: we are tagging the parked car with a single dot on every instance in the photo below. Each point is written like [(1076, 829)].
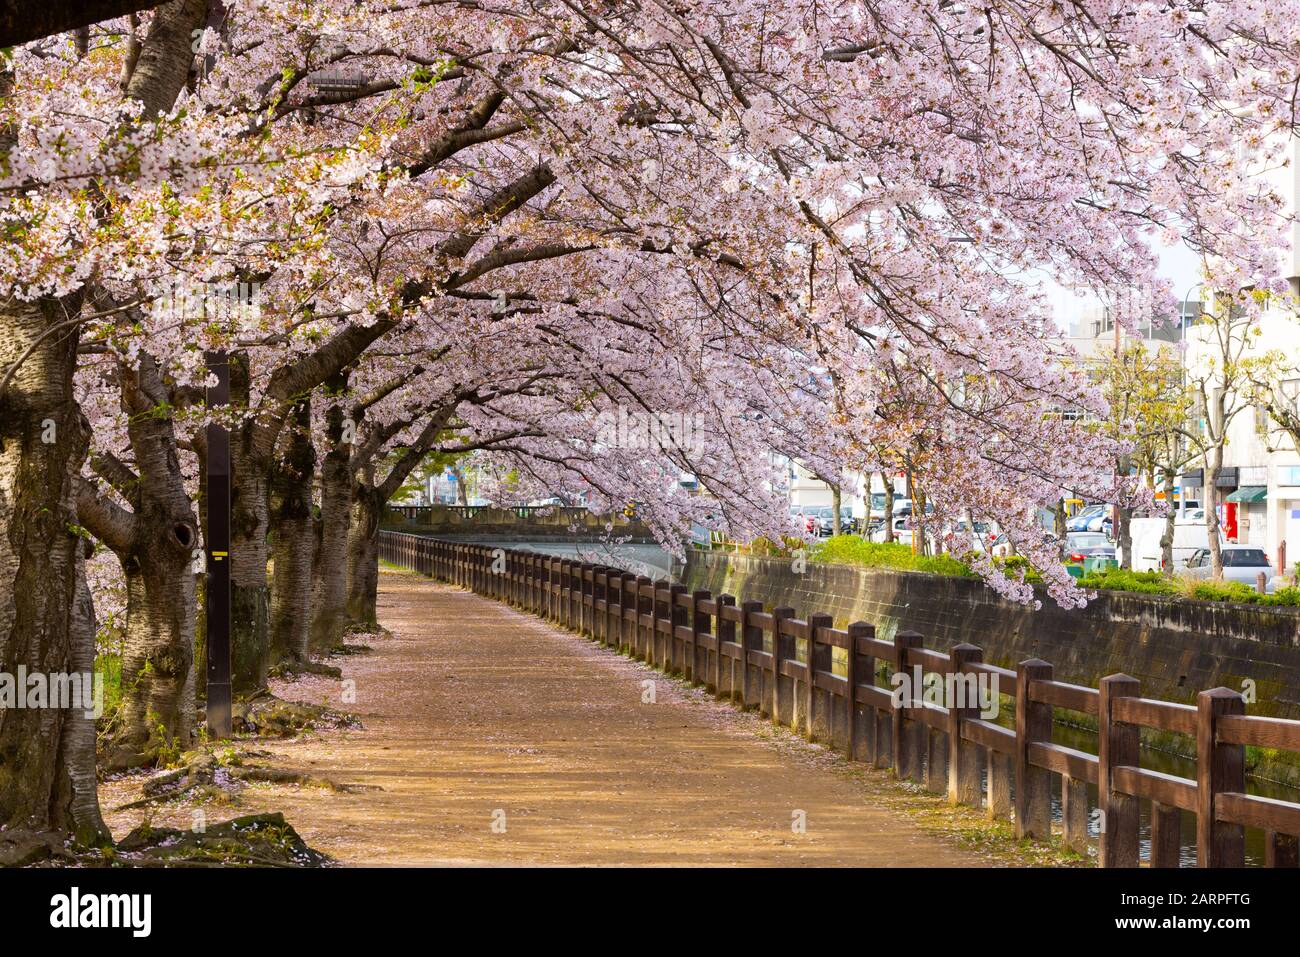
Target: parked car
[(1083, 519), (1080, 546), (984, 535), (876, 508), (1241, 563), (903, 507), (804, 522), (903, 533), (848, 524), (821, 516)]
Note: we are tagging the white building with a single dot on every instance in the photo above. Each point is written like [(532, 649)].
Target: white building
[(1260, 479), (1259, 483)]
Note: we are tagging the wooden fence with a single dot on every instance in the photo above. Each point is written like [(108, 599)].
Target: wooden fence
[(783, 667)]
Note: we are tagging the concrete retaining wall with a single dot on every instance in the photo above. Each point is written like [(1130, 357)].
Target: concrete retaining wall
[(1175, 647)]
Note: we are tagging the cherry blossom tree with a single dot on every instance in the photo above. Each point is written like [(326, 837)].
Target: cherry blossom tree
[(598, 245)]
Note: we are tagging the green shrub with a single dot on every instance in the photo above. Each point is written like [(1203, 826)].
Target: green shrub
[(856, 550), (1243, 593), (1119, 579), (1013, 565), (783, 549)]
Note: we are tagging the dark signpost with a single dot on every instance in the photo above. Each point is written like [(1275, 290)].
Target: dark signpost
[(218, 553)]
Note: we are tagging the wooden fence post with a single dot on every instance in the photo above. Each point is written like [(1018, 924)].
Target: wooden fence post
[(1117, 746), (906, 748), (701, 624), (679, 617), (663, 610), (783, 649), (645, 605), (817, 705), (1166, 835), (598, 578), (627, 601), (1033, 784), (965, 758), (1220, 768), (751, 639), (590, 592), (1281, 850), (1074, 813), (724, 631), (861, 669)]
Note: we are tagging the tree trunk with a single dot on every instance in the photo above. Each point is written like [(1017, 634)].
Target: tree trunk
[(78, 774), (157, 646), (1212, 513), (889, 506), (835, 510), (43, 439), (293, 542), (1124, 535), (363, 556), (250, 630), (167, 54), (156, 543), (1058, 527), (330, 584), (1167, 538)]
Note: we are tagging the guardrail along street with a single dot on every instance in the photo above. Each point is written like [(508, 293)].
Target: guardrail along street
[(768, 660)]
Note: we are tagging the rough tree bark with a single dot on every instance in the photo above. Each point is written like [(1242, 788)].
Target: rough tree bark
[(889, 505), (368, 501), (363, 555), (330, 575), (252, 450), (1211, 504), (293, 542), (24, 21), (155, 542), (1167, 538), (43, 440), (166, 55), (250, 506)]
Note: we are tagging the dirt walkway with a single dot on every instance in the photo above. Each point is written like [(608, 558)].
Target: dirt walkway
[(498, 739)]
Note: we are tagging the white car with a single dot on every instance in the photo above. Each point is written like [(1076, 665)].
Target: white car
[(904, 533), (1241, 563)]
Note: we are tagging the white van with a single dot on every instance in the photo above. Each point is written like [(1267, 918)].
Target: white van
[(1189, 535)]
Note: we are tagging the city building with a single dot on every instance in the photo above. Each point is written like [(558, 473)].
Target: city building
[(1260, 479)]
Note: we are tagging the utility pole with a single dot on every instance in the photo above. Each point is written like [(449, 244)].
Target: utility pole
[(217, 541)]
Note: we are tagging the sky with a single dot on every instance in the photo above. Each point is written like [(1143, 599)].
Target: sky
[(1177, 263)]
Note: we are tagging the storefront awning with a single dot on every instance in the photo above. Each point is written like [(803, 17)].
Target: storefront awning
[(1248, 494)]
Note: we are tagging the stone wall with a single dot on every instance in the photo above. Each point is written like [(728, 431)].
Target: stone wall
[(1175, 647)]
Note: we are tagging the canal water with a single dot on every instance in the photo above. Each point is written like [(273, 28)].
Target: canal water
[(1084, 740)]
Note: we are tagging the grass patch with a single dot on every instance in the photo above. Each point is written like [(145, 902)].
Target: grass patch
[(1119, 579), (856, 550), (1241, 592)]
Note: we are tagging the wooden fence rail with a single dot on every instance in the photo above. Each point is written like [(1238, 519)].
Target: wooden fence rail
[(784, 667)]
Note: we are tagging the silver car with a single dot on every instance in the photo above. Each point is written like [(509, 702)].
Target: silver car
[(1241, 563)]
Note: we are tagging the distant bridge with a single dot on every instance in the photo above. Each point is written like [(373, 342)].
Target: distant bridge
[(534, 523)]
